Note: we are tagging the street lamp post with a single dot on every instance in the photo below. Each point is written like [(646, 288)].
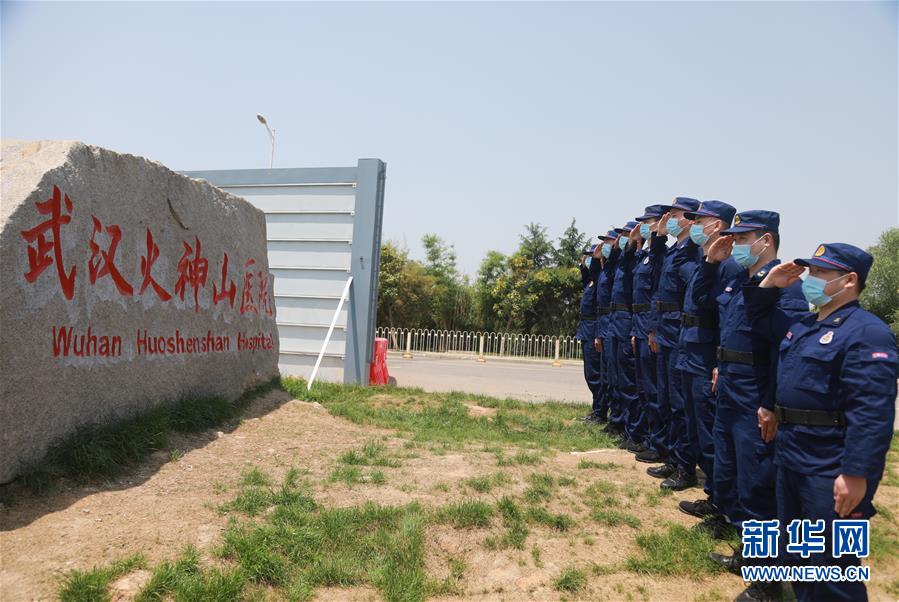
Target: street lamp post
[(271, 135)]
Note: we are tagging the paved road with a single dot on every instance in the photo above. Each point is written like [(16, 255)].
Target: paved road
[(528, 381)]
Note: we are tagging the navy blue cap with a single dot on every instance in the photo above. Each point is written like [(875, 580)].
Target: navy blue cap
[(757, 219), (683, 202), (840, 256), (626, 228), (652, 212), (610, 235), (716, 209)]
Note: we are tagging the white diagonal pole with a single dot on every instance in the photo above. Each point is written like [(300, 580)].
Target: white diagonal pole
[(321, 354)]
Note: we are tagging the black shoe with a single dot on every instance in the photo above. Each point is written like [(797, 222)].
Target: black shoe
[(651, 456), (731, 564), (636, 448), (661, 472), (626, 443), (699, 508), (679, 481), (760, 591), (716, 526)]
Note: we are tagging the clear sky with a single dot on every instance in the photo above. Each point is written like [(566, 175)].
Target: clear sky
[(490, 116)]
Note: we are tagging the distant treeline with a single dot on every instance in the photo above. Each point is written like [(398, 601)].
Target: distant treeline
[(537, 288)]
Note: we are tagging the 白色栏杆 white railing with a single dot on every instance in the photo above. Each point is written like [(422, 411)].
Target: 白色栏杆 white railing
[(481, 345)]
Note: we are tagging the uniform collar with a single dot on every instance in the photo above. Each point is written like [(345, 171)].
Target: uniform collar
[(765, 269), (840, 316)]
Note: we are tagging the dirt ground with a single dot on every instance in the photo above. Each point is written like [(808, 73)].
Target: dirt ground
[(171, 501)]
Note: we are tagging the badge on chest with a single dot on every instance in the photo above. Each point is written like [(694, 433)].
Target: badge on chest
[(826, 338)]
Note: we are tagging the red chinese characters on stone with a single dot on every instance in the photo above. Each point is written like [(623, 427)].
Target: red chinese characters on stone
[(192, 271), (228, 289), (247, 304), (146, 269), (39, 247), (102, 263), (264, 301)]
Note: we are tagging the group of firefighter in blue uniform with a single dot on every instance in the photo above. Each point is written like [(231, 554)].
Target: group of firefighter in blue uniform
[(703, 353)]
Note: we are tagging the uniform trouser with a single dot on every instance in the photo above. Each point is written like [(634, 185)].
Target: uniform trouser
[(593, 372), (601, 402), (657, 404), (802, 496), (699, 405), (626, 387), (671, 402), (617, 413), (645, 375), (744, 465)]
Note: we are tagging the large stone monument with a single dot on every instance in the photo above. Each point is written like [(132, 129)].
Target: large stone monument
[(123, 286)]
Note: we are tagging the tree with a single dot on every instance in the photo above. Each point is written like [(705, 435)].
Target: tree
[(571, 244), (405, 290), (535, 246), (881, 294), (450, 304), (493, 267)]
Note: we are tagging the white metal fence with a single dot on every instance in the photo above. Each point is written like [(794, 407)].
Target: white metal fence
[(481, 344)]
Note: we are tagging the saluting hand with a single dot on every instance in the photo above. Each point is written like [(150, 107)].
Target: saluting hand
[(597, 344), (720, 249), (848, 491), (782, 276), (767, 423), (634, 236), (663, 225)]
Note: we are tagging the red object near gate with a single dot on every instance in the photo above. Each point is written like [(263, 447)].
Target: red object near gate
[(378, 374)]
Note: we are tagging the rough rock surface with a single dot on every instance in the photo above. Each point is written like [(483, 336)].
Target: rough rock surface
[(123, 286)]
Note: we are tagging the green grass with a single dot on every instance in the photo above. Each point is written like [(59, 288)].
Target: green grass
[(438, 418), (559, 522), (257, 495), (184, 579), (571, 580), (371, 454), (466, 514), (352, 475), (106, 451), (677, 551), (540, 488), (484, 484), (588, 464), (301, 546), (93, 585), (515, 528), (613, 518)]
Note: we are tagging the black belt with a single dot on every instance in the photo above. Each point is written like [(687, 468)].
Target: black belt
[(690, 320), (667, 306), (620, 307), (809, 417), (588, 316), (602, 311), (639, 308), (742, 357)]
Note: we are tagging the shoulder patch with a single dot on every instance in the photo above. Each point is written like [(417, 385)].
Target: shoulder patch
[(821, 250), (728, 289), (826, 338)]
